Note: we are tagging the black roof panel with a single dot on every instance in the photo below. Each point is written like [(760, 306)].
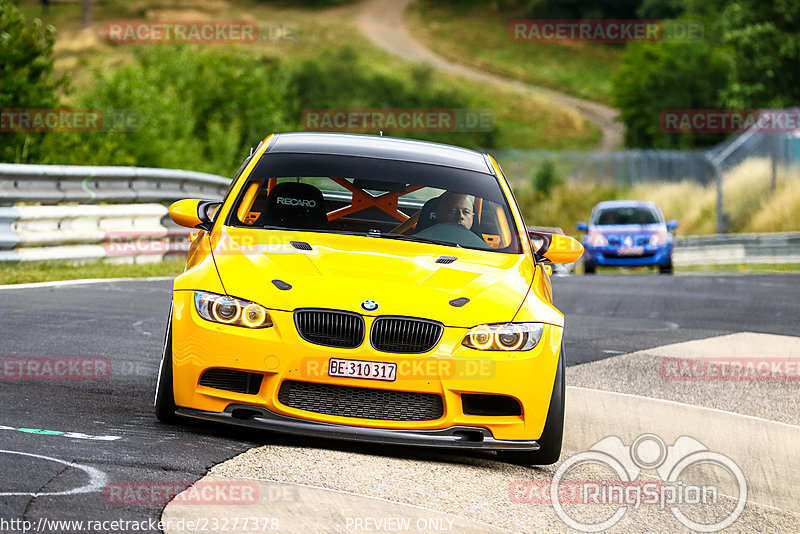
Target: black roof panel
[(373, 146)]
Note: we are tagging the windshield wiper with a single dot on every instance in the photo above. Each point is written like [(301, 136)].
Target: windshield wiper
[(402, 237)]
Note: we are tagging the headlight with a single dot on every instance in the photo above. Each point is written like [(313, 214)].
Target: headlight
[(228, 310), (507, 337), (658, 239), (597, 239)]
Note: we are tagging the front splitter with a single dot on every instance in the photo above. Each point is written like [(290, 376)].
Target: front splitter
[(455, 437)]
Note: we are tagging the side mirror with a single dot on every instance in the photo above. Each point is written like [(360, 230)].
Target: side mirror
[(671, 225), (193, 213), (557, 248), (583, 227)]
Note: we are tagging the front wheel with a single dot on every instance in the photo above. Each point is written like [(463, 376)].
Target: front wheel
[(550, 442), (164, 402), (666, 268)]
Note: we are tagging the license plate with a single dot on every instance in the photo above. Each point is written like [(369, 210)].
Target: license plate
[(630, 251), (362, 369)]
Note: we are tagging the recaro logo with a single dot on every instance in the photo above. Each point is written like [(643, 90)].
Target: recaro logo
[(296, 202)]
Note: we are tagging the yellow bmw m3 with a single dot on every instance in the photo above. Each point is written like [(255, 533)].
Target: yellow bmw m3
[(373, 289)]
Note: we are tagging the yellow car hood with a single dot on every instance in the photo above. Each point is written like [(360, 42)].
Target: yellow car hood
[(403, 277)]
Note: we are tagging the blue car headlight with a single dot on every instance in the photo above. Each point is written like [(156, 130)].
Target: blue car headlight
[(229, 310), (504, 337)]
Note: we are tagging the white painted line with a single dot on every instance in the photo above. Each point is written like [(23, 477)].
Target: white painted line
[(97, 478), (81, 281)]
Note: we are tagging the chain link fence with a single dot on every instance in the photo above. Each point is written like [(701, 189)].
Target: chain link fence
[(626, 168)]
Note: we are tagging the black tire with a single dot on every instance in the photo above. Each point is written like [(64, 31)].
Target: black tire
[(588, 268), (164, 402), (552, 435), (666, 268)]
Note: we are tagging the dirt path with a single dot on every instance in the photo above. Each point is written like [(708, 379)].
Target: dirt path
[(382, 22)]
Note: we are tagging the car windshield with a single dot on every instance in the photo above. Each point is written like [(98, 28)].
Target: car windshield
[(377, 198), (626, 215)]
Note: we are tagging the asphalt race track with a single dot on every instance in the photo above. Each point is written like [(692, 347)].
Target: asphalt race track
[(63, 441)]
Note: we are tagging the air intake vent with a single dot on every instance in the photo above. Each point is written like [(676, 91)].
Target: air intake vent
[(300, 245), (491, 405), (405, 334), (446, 259), (331, 328), (362, 403), (230, 380)]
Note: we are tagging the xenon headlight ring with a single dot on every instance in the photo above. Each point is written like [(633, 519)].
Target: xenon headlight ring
[(506, 337), (224, 309)]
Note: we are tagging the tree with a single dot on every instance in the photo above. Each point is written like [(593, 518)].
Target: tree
[(765, 41), (26, 77), (656, 77)]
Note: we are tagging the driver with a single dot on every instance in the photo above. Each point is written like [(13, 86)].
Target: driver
[(455, 208), (454, 216)]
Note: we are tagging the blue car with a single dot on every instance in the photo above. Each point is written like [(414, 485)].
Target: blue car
[(627, 233)]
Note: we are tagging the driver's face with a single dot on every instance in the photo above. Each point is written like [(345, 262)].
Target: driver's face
[(456, 209)]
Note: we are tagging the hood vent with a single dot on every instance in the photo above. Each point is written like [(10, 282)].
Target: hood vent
[(459, 302), (300, 245), (446, 259), (280, 284)]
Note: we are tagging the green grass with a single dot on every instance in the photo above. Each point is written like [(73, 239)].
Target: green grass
[(480, 39), (45, 271)]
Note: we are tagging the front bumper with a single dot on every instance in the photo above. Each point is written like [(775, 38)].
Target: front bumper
[(279, 354), (456, 437), (609, 257)]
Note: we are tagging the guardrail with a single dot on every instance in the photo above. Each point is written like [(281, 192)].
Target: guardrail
[(56, 184), (127, 232), (732, 249), (144, 232)]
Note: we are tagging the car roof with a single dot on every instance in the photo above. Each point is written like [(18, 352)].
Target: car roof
[(373, 146), (625, 204)]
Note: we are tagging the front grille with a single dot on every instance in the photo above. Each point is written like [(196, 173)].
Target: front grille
[(330, 327), (361, 403), (230, 380), (405, 334)]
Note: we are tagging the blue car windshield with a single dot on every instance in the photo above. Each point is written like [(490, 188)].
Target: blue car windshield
[(626, 215)]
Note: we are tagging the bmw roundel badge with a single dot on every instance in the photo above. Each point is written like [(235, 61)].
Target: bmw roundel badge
[(369, 305)]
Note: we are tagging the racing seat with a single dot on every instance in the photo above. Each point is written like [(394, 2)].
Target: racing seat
[(427, 215), (294, 205)]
